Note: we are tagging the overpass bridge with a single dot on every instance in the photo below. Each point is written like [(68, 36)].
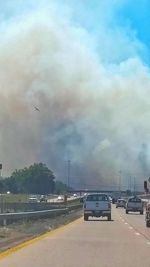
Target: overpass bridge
[(113, 192)]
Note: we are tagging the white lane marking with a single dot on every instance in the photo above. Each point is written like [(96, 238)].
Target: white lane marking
[(137, 233), (130, 227), (125, 223), (148, 243)]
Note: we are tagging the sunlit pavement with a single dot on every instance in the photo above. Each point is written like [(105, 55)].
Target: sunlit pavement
[(123, 242)]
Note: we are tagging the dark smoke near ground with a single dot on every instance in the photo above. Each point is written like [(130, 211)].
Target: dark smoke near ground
[(97, 115)]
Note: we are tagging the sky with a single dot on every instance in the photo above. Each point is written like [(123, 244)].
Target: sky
[(130, 18), (119, 16), (86, 66)]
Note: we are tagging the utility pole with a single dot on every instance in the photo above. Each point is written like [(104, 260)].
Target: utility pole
[(68, 173), (0, 170), (130, 184), (120, 181), (134, 185)]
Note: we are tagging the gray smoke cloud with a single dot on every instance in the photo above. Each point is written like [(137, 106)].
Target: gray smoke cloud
[(92, 112)]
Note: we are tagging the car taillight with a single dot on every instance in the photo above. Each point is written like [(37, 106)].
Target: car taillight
[(148, 207)]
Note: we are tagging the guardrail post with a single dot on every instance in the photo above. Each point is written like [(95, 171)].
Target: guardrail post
[(4, 222)]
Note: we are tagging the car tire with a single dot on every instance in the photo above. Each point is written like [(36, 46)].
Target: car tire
[(109, 217), (126, 211), (86, 217), (116, 207), (141, 212), (147, 223)]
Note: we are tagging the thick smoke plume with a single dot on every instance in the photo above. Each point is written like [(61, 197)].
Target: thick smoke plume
[(95, 114)]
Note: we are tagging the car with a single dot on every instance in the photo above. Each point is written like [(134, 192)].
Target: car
[(33, 199), (147, 214), (135, 204), (97, 205), (114, 200), (121, 203), (60, 198), (43, 198), (110, 199)]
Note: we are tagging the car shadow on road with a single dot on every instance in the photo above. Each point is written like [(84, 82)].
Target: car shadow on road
[(94, 220), (132, 213)]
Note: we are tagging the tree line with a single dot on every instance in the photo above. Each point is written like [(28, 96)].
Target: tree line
[(36, 179)]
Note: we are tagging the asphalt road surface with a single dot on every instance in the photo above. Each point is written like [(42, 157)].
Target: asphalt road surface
[(56, 200), (123, 242)]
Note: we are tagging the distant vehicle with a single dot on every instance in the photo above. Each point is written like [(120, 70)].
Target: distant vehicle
[(97, 205), (121, 203), (110, 199), (147, 215), (33, 199), (135, 204), (75, 195), (60, 198), (114, 200), (43, 198), (82, 199)]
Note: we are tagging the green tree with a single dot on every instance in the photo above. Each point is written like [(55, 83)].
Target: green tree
[(37, 179)]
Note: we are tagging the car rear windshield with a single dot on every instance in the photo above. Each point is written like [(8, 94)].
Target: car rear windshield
[(121, 200), (97, 198), (135, 200)]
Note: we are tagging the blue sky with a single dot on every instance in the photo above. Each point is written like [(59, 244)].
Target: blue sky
[(131, 17), (138, 15), (135, 14), (125, 22)]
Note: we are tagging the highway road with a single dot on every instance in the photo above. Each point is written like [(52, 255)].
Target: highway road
[(56, 200), (123, 242)]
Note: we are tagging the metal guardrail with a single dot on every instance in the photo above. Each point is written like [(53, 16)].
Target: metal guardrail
[(75, 206), (10, 217), (26, 207), (31, 214), (6, 207)]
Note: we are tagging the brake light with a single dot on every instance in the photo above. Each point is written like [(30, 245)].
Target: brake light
[(148, 206)]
